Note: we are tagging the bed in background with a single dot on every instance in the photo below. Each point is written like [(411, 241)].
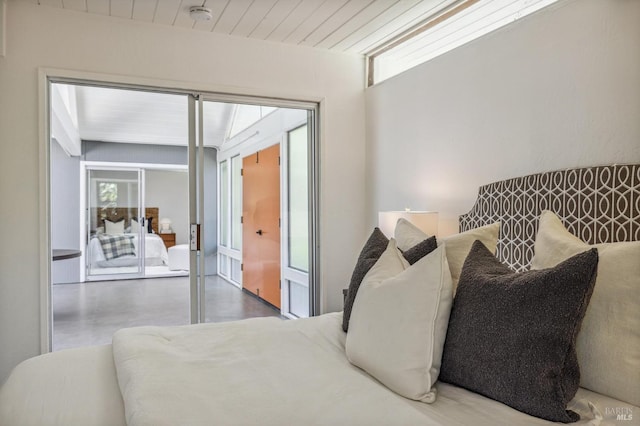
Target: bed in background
[(272, 372), (126, 223), (155, 253)]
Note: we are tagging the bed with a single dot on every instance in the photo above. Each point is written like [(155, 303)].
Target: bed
[(267, 371), (126, 218), (155, 253)]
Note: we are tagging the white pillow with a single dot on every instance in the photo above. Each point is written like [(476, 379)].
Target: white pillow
[(399, 322), (457, 245), (135, 227), (407, 234), (114, 227), (608, 344)]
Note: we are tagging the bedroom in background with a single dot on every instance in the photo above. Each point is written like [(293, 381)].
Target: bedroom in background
[(130, 169), (119, 202)]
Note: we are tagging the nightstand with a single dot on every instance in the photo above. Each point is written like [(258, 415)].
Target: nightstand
[(169, 239)]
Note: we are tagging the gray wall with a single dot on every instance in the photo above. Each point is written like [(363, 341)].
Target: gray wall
[(65, 213), (169, 191), (134, 153), (557, 89)]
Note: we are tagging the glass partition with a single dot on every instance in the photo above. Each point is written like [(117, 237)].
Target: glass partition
[(115, 222), (298, 200), (224, 203), (236, 203)]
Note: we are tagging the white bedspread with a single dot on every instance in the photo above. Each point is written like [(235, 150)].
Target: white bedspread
[(155, 253), (74, 387), (257, 377), (253, 372), (272, 372)]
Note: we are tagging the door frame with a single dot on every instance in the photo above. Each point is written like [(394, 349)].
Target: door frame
[(219, 93), (249, 145), (86, 185)]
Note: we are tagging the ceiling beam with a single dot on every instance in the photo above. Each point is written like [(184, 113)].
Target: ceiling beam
[(63, 128)]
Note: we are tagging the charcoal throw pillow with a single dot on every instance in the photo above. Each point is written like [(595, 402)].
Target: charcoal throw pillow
[(369, 255), (420, 250), (512, 336), (371, 252)]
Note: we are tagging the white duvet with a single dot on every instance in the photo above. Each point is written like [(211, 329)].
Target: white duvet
[(254, 372), (155, 253), (271, 372)]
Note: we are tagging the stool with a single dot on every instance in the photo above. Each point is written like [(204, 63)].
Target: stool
[(179, 257)]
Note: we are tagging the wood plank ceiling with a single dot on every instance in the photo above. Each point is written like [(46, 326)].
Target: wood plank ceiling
[(350, 26)]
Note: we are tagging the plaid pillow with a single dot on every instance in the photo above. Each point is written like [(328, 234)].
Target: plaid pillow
[(114, 246)]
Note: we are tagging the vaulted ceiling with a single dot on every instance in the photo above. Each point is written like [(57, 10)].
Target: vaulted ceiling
[(104, 114), (353, 26)]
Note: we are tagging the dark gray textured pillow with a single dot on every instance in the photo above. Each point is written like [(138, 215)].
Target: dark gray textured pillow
[(420, 250), (512, 336), (371, 252)]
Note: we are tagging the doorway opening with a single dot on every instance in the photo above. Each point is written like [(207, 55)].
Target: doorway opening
[(144, 194), (264, 238)]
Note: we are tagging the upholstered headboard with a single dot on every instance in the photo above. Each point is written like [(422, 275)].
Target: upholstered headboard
[(115, 214), (597, 204)]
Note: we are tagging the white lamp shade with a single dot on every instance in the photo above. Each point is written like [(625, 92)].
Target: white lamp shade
[(165, 225), (427, 222)]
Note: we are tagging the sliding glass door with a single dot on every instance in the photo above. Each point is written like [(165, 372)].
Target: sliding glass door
[(115, 223), (118, 209), (152, 181), (203, 209)]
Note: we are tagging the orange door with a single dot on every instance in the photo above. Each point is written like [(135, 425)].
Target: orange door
[(261, 224)]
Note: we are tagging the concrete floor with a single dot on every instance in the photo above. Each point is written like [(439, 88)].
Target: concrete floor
[(89, 313)]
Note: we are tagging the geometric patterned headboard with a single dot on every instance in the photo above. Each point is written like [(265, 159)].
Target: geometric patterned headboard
[(597, 204)]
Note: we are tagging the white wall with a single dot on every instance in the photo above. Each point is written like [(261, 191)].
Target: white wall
[(558, 89), (38, 36), (169, 191)]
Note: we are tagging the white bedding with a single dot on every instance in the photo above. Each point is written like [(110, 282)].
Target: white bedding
[(260, 371), (155, 253), (71, 387)]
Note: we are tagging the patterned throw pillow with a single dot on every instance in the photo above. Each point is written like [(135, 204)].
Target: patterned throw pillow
[(115, 246)]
